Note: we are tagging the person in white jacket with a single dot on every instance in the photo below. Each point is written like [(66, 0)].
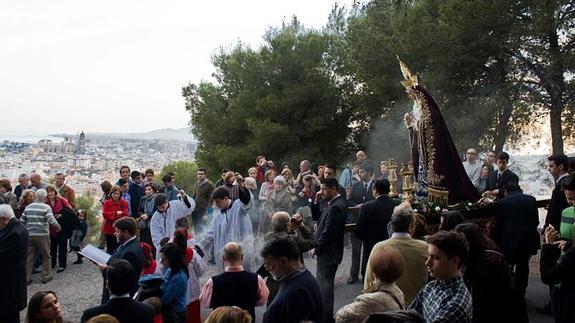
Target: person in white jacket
[(163, 222)]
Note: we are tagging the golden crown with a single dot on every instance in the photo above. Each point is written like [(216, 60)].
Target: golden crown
[(410, 80)]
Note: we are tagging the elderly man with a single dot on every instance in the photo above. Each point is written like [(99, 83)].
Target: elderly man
[(472, 166), (249, 288), (64, 190), (23, 182), (292, 227), (413, 251), (36, 182), (13, 244), (38, 218)]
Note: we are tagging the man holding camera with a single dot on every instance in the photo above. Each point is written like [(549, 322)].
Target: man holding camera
[(262, 166), (286, 226)]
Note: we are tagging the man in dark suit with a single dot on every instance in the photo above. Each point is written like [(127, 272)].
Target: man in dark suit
[(121, 306), (497, 180), (361, 192), (515, 231), (557, 166), (373, 219), (13, 253), (329, 237), (128, 249)]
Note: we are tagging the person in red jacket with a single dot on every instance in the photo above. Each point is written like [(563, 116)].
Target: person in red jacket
[(113, 209)]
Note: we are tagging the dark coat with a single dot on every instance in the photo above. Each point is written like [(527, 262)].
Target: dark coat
[(126, 310), (507, 177), (490, 282), (359, 195), (133, 253), (516, 221), (373, 219), (554, 272), (13, 252), (557, 204), (330, 230)]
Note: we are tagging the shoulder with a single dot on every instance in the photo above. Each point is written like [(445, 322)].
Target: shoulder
[(91, 312)]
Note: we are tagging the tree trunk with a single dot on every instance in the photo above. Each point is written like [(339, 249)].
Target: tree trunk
[(556, 131), (503, 126)]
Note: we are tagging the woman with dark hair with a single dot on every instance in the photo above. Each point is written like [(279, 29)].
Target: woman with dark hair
[(196, 268), (488, 278), (106, 190), (67, 218), (176, 277), (113, 209), (450, 219), (44, 307), (146, 209)]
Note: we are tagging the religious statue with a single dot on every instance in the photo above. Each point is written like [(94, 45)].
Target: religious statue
[(440, 176)]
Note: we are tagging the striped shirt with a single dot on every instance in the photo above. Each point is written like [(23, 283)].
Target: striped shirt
[(38, 218)]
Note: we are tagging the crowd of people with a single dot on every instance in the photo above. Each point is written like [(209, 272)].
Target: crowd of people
[(160, 241)]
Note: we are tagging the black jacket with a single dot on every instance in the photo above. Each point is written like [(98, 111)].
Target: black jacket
[(359, 195), (554, 272), (516, 221), (507, 177), (13, 252), (125, 309), (330, 229), (557, 204), (133, 253), (373, 219)]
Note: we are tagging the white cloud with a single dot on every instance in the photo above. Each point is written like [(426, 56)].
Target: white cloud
[(119, 65)]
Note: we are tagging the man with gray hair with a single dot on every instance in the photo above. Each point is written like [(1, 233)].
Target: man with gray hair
[(23, 182), (286, 226), (13, 244), (38, 219), (413, 251)]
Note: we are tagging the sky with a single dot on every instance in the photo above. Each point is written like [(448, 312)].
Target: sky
[(119, 66)]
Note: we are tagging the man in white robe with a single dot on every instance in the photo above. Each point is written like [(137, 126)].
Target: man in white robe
[(231, 223)]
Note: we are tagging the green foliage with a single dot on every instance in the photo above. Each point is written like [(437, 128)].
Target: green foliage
[(93, 208), (494, 67), (185, 174), (281, 100)]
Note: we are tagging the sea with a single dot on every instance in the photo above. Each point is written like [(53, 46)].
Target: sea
[(29, 139)]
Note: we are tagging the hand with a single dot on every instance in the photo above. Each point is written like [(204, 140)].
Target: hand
[(318, 197), (102, 267), (297, 218), (408, 120), (58, 216), (561, 244), (118, 212), (495, 192), (182, 193), (241, 181), (551, 235), (312, 253)]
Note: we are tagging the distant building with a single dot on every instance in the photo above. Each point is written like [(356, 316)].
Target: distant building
[(81, 147)]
